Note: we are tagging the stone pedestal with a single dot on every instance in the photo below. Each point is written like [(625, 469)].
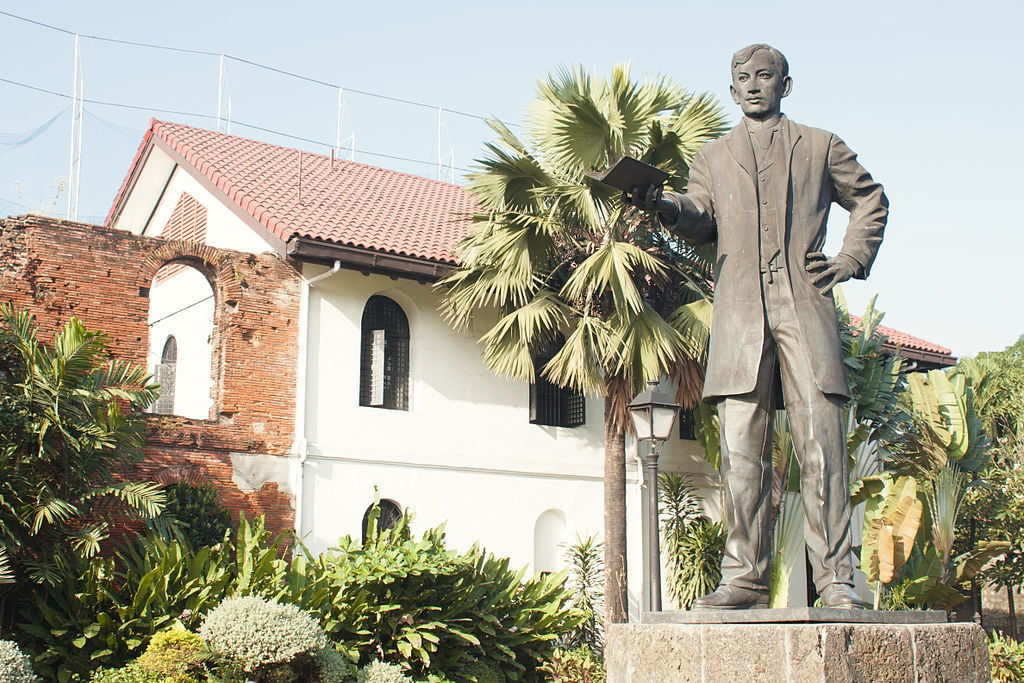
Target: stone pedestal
[(795, 645)]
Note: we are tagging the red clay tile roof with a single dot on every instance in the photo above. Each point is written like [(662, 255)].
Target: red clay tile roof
[(906, 341), (345, 202)]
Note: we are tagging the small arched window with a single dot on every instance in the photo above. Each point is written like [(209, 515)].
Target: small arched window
[(384, 355), (166, 372), (390, 513)]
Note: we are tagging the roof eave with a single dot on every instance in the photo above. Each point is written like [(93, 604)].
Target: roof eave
[(367, 260), (928, 358)]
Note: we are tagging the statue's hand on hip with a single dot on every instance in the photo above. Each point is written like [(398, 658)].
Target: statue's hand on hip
[(827, 272)]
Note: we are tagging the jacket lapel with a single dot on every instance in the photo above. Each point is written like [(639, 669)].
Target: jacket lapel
[(792, 136), (738, 143)]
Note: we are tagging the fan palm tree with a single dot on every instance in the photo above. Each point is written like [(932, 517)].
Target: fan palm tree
[(566, 262)]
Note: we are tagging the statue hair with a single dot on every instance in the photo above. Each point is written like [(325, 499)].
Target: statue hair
[(743, 56)]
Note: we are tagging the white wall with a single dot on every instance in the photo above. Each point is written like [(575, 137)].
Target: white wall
[(182, 305), (464, 453), (224, 229)]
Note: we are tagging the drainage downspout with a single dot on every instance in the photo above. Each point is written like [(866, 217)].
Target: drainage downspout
[(301, 445)]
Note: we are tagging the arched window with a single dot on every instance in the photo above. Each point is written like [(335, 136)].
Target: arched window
[(390, 513), (384, 355), (181, 313), (166, 373)]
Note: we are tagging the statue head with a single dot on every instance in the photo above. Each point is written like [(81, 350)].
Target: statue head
[(760, 79)]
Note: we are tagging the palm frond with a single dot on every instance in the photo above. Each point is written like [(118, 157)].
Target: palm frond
[(145, 498), (613, 269), (50, 510), (579, 362), (510, 346)]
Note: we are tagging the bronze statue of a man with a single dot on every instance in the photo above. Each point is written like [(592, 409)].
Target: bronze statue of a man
[(763, 192)]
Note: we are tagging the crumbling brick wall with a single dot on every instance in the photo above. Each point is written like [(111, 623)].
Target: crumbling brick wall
[(59, 269)]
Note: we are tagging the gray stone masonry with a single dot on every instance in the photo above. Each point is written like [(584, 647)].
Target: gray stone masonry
[(820, 652)]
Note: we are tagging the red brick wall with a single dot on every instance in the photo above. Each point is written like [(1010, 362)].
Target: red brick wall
[(59, 269)]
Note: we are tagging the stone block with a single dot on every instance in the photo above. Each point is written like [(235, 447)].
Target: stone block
[(801, 652)]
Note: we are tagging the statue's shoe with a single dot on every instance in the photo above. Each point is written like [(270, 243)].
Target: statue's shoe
[(840, 596), (732, 597)]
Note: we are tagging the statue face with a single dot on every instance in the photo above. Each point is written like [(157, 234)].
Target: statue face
[(758, 86)]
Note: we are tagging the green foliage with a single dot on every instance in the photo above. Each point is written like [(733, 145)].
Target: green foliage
[(479, 672), (1005, 659), (586, 569), (174, 652), (693, 546), (15, 665), (102, 612), (203, 520), (258, 631), (998, 381), (133, 673), (579, 665), (333, 667), (434, 611), (66, 442), (382, 672)]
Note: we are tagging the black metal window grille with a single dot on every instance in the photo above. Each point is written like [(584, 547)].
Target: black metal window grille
[(166, 370), (687, 425), (384, 355), (552, 405), (390, 513)]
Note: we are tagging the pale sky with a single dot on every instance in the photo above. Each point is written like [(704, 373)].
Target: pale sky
[(924, 92)]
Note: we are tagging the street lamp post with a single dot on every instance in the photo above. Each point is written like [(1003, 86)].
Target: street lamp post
[(653, 413)]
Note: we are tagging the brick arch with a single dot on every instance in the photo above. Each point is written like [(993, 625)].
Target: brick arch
[(216, 265)]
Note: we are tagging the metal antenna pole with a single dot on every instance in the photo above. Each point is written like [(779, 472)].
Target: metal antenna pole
[(75, 154), (220, 88)]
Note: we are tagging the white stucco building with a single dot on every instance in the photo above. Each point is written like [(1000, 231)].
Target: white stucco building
[(388, 394)]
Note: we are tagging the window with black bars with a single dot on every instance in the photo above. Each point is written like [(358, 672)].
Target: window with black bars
[(687, 425), (384, 355), (166, 371), (552, 405)]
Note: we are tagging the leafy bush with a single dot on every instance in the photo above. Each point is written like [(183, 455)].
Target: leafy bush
[(70, 428), (1005, 658), (174, 652), (15, 665), (433, 610), (574, 666), (131, 673), (198, 509), (103, 612), (333, 667), (381, 672), (257, 631)]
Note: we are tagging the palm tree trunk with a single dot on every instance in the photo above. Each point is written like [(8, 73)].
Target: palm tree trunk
[(615, 586)]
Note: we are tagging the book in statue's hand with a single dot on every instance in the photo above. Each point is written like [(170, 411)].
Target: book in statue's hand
[(628, 174)]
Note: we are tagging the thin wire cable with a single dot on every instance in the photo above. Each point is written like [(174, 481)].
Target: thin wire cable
[(264, 129), (266, 67)]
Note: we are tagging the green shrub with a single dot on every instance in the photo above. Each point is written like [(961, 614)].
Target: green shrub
[(574, 666), (381, 672), (1005, 658), (132, 673), (102, 613), (333, 667), (15, 665), (479, 672), (434, 611), (198, 509), (258, 631), (174, 652)]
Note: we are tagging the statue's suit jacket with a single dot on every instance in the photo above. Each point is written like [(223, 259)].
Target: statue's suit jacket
[(723, 206)]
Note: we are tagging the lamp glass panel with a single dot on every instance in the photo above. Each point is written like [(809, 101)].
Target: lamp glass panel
[(641, 417), (664, 418)]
